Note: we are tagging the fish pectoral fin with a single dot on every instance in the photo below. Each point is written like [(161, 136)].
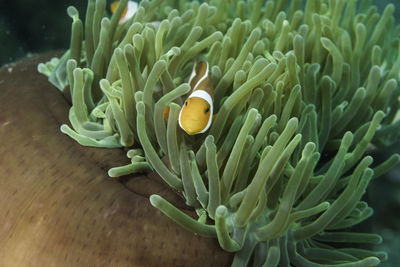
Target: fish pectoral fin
[(166, 113)]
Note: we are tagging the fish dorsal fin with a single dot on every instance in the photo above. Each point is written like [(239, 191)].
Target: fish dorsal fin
[(199, 74), (192, 75)]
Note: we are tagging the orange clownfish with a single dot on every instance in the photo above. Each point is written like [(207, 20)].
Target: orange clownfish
[(196, 113), (129, 11)]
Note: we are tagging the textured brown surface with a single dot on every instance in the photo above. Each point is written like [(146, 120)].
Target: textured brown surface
[(57, 205)]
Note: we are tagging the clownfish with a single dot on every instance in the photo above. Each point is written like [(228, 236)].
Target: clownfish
[(196, 114), (128, 13)]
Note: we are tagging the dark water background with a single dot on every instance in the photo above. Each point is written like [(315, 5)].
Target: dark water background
[(28, 26), (34, 26)]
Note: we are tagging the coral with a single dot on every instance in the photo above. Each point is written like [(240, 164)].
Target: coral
[(302, 96)]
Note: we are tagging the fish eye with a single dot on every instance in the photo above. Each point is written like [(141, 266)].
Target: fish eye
[(207, 110), (186, 103)]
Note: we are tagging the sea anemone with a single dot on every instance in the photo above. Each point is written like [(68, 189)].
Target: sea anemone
[(302, 93)]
